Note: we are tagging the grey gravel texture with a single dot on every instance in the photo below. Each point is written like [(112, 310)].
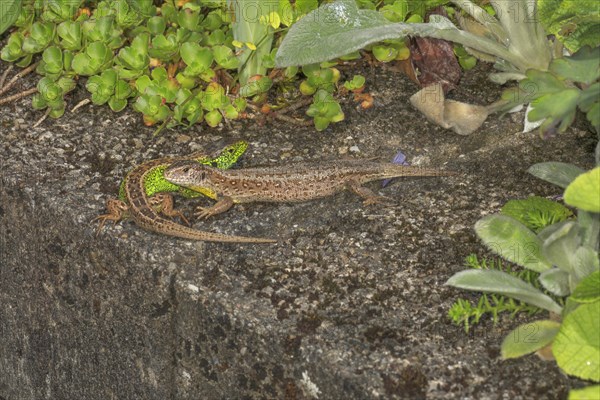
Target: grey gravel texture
[(349, 304)]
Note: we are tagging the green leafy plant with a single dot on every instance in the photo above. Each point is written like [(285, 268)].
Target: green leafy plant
[(10, 13), (325, 110), (55, 62), (59, 10), (198, 61), (465, 312), (108, 88), (253, 34), (197, 43), (517, 44), (536, 212), (232, 43), (574, 23), (51, 95), (95, 58), (40, 37), (564, 252), (133, 61), (555, 95), (356, 83), (104, 28), (513, 38), (70, 35)]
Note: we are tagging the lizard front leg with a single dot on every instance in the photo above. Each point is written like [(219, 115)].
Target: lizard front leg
[(223, 204), (369, 197)]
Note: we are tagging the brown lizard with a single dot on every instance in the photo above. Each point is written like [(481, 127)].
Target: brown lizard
[(143, 208), (289, 183)]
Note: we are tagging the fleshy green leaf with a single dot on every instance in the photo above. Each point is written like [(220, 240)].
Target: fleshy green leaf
[(584, 191), (528, 338), (588, 290), (224, 57), (491, 281), (10, 13), (117, 104), (286, 12), (558, 173), (577, 344), (197, 58), (513, 241)]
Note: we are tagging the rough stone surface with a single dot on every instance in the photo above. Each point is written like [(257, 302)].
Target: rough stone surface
[(350, 303)]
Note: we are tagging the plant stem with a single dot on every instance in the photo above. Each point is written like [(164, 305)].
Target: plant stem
[(17, 96)]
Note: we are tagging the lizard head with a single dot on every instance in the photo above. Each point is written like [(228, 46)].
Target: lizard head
[(192, 175)]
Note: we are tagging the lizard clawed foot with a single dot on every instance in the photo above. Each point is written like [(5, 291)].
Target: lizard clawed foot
[(222, 205), (116, 211), (103, 218), (205, 212)]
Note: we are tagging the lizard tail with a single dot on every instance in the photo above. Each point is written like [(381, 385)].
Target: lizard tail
[(394, 170), (173, 229)]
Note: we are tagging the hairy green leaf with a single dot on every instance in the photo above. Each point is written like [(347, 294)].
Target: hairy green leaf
[(558, 173), (339, 28), (560, 243), (491, 281), (513, 241), (556, 281)]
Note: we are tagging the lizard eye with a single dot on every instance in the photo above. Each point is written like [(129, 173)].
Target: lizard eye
[(203, 176)]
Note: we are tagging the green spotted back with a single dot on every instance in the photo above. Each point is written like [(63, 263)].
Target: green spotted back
[(155, 182)]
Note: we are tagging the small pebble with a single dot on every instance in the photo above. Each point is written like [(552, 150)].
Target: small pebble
[(182, 139)]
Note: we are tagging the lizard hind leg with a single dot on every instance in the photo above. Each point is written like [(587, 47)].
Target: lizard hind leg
[(369, 197), (163, 203), (117, 210)]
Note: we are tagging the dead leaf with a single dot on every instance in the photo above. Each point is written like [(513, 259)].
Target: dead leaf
[(463, 118)]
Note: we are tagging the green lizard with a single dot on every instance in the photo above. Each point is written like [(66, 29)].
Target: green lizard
[(144, 193), (287, 183)]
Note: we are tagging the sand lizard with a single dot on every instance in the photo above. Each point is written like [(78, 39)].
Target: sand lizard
[(144, 193), (289, 183)]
